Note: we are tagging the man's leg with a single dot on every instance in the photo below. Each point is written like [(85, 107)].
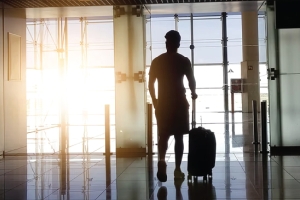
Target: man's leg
[(178, 150), (161, 165), (163, 146), (179, 146)]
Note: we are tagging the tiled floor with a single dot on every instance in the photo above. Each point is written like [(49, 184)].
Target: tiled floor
[(239, 174)]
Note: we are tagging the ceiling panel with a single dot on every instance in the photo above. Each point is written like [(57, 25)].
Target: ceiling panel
[(67, 3), (54, 12)]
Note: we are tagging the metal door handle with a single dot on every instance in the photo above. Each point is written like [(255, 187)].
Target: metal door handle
[(273, 73)]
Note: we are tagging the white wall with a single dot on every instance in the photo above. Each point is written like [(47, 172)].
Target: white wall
[(14, 92)]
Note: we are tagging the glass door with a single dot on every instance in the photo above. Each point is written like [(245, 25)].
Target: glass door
[(274, 108), (289, 76), (284, 78), (208, 70)]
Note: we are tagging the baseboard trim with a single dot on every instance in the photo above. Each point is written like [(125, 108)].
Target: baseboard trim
[(285, 151), (14, 154)]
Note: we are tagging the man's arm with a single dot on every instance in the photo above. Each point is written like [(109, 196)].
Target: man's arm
[(191, 78), (152, 79)]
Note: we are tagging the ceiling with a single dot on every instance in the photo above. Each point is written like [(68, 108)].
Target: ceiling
[(67, 3), (91, 8)]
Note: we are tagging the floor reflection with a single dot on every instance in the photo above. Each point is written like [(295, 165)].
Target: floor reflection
[(86, 177), (239, 173), (196, 190)]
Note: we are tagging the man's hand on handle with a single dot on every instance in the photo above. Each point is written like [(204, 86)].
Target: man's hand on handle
[(194, 96)]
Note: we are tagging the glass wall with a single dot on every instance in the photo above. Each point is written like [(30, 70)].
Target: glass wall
[(208, 60), (42, 74), (235, 54), (89, 81)]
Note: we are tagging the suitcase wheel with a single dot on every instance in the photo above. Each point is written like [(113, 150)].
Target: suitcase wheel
[(192, 178), (195, 178), (206, 178)]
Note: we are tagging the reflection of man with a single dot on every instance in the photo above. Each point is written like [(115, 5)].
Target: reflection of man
[(171, 106), (162, 193)]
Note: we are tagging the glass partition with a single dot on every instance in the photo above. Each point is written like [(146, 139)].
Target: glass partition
[(91, 68), (89, 80), (289, 59), (274, 109), (42, 73)]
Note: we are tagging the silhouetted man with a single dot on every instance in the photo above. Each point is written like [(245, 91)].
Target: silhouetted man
[(171, 105)]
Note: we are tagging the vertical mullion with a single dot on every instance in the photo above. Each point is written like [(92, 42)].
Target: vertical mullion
[(192, 63), (225, 60), (192, 41), (176, 22)]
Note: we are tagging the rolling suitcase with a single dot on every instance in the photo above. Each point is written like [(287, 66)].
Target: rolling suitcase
[(202, 151)]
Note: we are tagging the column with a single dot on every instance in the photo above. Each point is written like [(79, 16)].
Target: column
[(130, 90), (130, 104), (250, 63)]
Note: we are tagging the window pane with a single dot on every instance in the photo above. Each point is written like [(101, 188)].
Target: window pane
[(262, 39), (207, 40), (207, 28), (74, 44), (160, 26), (184, 28), (208, 52), (100, 40), (209, 76)]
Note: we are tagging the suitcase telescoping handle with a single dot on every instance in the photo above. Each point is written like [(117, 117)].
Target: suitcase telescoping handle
[(193, 113)]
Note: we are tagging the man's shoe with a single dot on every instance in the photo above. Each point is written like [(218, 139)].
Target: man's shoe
[(162, 171), (178, 174)]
